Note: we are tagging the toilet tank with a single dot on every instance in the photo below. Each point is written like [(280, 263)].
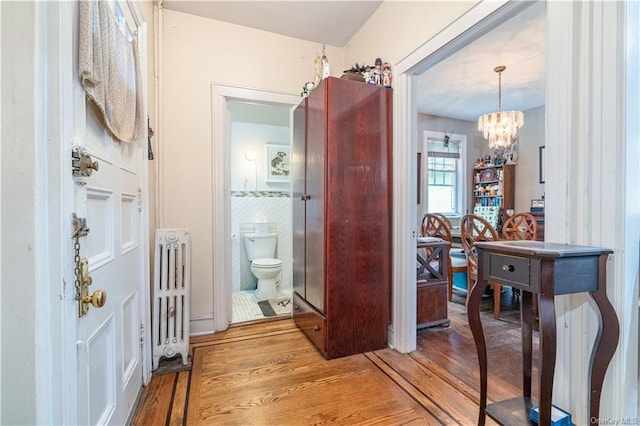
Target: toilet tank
[(261, 246)]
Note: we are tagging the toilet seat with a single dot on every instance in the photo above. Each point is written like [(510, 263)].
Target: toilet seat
[(267, 263)]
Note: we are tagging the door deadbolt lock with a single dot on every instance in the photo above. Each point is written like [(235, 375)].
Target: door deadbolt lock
[(97, 299), (82, 163)]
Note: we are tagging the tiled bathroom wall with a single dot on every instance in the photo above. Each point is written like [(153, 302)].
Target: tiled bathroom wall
[(250, 207)]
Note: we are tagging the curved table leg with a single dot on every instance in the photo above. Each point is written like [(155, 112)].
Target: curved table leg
[(526, 319), (473, 315), (606, 341), (547, 315)]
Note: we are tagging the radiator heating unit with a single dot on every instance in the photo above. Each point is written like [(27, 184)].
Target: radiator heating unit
[(171, 288)]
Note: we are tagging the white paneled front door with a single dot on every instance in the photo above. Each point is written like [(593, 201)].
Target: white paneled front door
[(109, 354)]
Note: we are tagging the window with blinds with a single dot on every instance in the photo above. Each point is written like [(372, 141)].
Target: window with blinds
[(443, 175)]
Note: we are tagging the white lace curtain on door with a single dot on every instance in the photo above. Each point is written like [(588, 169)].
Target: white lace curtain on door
[(109, 69)]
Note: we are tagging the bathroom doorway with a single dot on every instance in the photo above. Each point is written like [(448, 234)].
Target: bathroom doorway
[(259, 141), (252, 139)]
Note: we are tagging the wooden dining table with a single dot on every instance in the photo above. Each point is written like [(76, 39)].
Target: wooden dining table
[(456, 236)]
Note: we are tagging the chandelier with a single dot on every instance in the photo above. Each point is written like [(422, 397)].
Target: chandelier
[(500, 128)]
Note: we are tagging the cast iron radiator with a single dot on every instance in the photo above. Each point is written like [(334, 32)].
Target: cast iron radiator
[(171, 287)]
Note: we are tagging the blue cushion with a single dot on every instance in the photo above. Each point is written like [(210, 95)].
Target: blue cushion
[(460, 280)]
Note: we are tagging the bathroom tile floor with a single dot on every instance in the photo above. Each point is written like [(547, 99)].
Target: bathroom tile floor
[(245, 305)]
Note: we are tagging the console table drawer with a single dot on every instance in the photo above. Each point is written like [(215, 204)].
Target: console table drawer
[(514, 271)]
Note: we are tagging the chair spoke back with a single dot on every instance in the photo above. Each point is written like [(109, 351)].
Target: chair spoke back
[(434, 225), (521, 226), (474, 228)]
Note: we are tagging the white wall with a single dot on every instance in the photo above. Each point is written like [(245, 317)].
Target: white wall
[(196, 52), (587, 159), (530, 137), (252, 175), (22, 267), (396, 28)]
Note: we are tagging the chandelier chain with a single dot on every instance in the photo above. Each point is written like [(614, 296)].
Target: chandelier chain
[(499, 91)]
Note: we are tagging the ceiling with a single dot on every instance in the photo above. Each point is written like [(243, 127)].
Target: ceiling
[(463, 86), (329, 22)]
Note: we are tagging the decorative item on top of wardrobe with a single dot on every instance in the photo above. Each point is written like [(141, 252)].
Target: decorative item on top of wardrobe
[(379, 75), (322, 72), (500, 128)]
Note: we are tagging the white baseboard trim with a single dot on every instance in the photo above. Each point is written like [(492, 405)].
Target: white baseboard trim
[(390, 337), (201, 324)]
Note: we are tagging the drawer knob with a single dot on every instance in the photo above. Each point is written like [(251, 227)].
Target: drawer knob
[(508, 268), (316, 328)]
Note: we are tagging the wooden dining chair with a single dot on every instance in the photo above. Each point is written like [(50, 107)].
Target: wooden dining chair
[(443, 218), (436, 222), (437, 225), (522, 226), (474, 228)]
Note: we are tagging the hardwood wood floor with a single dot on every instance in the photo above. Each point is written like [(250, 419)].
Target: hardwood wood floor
[(270, 374)]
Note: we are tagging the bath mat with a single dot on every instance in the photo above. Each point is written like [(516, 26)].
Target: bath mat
[(273, 307)]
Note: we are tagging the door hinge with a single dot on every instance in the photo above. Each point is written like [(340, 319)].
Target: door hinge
[(141, 335), (139, 200)]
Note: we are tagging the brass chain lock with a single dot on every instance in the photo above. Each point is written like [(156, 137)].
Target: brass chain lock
[(76, 270), (81, 271)]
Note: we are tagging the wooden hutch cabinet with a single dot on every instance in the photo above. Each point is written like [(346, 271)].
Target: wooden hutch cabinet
[(495, 186), (540, 225), (341, 196)]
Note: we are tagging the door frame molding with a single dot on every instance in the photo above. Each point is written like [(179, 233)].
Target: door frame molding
[(579, 105), (144, 287), (221, 208), (477, 21)]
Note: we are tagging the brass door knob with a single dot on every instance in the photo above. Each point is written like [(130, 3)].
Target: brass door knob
[(97, 299)]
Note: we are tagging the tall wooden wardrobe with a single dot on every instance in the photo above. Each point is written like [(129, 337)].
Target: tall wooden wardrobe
[(341, 170)]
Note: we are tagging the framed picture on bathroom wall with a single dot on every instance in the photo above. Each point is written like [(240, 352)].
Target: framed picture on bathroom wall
[(278, 163)]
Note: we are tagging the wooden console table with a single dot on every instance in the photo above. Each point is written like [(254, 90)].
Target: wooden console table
[(432, 281), (547, 270)]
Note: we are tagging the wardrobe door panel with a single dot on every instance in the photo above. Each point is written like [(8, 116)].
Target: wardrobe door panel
[(357, 218), (315, 232), (298, 192)]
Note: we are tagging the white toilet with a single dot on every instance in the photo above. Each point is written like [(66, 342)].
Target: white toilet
[(261, 251)]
